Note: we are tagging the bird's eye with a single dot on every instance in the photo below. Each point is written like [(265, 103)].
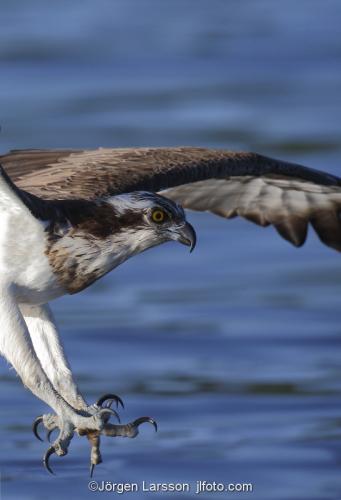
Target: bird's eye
[(158, 216)]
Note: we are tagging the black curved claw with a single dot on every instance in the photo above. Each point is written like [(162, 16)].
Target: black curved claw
[(111, 412), (48, 434), (113, 398), (35, 426), (92, 466), (46, 459), (142, 420)]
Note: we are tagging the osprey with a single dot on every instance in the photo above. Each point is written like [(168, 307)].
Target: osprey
[(68, 217)]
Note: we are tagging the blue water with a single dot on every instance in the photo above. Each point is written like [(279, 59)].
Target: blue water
[(235, 349)]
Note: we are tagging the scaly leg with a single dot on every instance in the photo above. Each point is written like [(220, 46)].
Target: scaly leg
[(16, 346), (49, 349)]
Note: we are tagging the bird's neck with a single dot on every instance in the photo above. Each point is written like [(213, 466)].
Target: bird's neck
[(80, 261)]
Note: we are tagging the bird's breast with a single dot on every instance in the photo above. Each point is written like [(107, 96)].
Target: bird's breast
[(77, 260), (23, 260)]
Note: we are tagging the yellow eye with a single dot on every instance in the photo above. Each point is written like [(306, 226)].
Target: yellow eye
[(158, 216)]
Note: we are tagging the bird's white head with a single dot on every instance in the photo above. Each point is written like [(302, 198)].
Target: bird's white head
[(90, 239), (144, 220)]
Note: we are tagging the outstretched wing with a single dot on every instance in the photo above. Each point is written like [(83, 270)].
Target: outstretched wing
[(261, 189)]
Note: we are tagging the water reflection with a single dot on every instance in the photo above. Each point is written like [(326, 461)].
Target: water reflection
[(234, 349)]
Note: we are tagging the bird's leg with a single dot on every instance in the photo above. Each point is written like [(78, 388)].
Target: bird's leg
[(16, 346), (49, 349)]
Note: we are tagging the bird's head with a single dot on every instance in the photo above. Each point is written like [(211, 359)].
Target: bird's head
[(148, 219), (92, 238)]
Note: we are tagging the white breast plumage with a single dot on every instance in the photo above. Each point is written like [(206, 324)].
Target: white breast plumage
[(23, 263)]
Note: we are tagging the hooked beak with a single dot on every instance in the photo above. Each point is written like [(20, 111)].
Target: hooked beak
[(186, 235)]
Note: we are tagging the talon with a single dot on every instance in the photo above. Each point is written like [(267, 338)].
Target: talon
[(111, 397), (143, 420), (108, 403), (35, 426), (92, 466), (110, 411), (48, 434), (46, 459)]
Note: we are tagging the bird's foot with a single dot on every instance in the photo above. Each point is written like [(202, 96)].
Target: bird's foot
[(82, 422), (100, 414), (49, 421), (130, 430), (52, 422), (126, 430)]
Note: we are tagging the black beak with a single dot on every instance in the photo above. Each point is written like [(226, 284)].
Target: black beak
[(187, 236)]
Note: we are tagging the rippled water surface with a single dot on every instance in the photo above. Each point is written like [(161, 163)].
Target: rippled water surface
[(235, 350)]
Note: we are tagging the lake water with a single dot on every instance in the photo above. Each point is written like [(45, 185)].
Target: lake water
[(235, 349)]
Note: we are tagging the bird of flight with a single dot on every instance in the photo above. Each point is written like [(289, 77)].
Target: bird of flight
[(68, 217)]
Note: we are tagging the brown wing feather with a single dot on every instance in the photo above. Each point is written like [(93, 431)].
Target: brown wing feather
[(261, 189), (266, 201), (21, 163), (90, 174)]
